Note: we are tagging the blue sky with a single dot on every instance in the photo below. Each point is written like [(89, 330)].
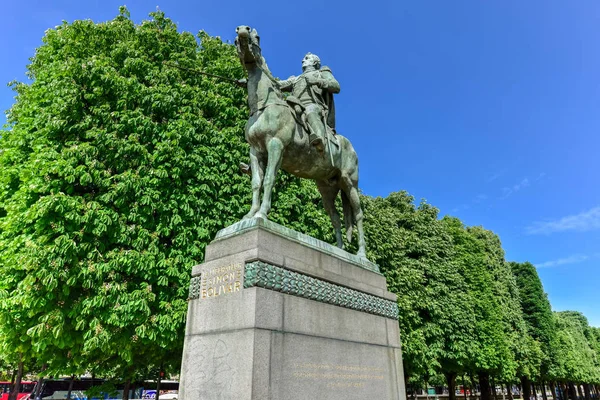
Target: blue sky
[(488, 110)]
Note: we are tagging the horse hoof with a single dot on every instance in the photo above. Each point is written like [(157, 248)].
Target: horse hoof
[(250, 215), (362, 254), (260, 215)]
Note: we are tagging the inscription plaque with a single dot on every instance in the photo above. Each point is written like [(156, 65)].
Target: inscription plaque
[(221, 281), (338, 375)]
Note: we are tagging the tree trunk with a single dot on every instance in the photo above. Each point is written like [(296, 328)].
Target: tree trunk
[(407, 387), (586, 391), (133, 388), (543, 389), (17, 386), (126, 389), (553, 390), (564, 395), (472, 386), (534, 390), (520, 390), (579, 391), (526, 388), (412, 390), (464, 387), (572, 391), (493, 384), (158, 383), (509, 391), (451, 382), (70, 387), (37, 393), (12, 378), (484, 386)]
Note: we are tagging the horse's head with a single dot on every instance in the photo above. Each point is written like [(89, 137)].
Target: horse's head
[(247, 43)]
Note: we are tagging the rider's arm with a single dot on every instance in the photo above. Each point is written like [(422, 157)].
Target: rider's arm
[(328, 81), (287, 85)]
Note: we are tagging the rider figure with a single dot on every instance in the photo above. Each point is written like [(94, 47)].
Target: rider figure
[(314, 89)]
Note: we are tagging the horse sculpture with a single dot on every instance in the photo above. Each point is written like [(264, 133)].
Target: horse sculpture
[(277, 140)]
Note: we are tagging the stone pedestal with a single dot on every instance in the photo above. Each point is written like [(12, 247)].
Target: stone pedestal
[(278, 315)]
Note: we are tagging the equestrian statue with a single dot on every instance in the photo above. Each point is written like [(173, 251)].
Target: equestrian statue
[(297, 133)]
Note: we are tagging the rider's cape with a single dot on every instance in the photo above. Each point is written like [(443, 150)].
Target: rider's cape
[(328, 98)]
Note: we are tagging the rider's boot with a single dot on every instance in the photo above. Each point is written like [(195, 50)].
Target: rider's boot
[(317, 132)]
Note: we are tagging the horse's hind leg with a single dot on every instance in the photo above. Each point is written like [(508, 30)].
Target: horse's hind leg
[(257, 166), (350, 187), (329, 194), (275, 151)]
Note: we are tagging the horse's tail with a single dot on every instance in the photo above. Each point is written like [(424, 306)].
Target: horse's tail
[(348, 215)]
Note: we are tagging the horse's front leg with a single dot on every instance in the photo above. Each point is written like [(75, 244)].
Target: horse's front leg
[(275, 151), (257, 170)]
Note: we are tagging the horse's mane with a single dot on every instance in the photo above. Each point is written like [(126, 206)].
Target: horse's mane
[(261, 63)]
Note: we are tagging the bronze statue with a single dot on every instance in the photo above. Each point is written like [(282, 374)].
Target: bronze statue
[(313, 91), (276, 132)]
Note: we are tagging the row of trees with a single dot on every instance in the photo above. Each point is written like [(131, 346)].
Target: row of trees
[(118, 169), (467, 312)]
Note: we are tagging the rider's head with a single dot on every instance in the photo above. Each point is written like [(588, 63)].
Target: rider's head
[(311, 61)]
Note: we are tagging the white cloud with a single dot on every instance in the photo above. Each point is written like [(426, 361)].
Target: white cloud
[(480, 197), (494, 177), (459, 208), (586, 221), (523, 184), (507, 191), (574, 259)]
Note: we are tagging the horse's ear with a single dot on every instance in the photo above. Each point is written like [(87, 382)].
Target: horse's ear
[(254, 34)]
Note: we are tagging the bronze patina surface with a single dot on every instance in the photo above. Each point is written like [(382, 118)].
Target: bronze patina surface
[(298, 135)]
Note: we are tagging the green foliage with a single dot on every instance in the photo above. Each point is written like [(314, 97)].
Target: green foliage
[(575, 350), (118, 169), (414, 252), (490, 350), (536, 311)]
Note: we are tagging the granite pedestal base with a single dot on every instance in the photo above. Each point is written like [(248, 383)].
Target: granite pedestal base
[(274, 314)]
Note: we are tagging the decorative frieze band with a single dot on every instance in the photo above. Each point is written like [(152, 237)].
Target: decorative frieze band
[(194, 292), (282, 280), (268, 276)]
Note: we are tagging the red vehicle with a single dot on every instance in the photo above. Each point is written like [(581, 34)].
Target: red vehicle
[(24, 392)]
